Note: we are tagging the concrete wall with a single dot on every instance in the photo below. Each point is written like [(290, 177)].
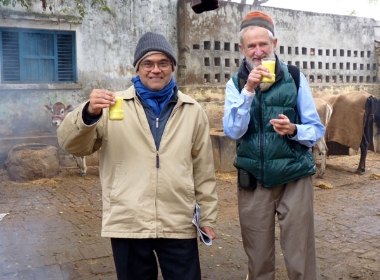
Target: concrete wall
[(336, 53), (105, 46), (331, 50), (207, 48)]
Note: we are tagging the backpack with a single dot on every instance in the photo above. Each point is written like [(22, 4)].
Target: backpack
[(293, 70)]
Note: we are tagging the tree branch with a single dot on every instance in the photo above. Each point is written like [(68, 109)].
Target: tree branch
[(259, 2)]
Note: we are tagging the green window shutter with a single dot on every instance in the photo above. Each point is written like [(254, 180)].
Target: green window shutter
[(10, 56)]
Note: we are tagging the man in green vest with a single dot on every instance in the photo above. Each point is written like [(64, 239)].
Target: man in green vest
[(275, 124)]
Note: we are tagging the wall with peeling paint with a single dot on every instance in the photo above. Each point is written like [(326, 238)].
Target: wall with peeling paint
[(331, 50), (105, 47), (207, 48)]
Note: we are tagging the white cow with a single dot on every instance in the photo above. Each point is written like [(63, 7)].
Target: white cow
[(59, 112), (324, 110)]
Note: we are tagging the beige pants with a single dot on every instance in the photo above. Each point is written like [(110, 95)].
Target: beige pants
[(293, 204)]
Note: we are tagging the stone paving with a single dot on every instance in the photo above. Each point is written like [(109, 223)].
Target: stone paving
[(52, 230)]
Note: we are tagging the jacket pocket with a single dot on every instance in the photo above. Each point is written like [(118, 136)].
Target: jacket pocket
[(115, 187)]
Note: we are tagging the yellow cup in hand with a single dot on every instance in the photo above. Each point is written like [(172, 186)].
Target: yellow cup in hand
[(269, 63), (116, 111)]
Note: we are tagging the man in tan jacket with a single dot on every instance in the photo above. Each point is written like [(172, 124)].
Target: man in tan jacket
[(155, 165)]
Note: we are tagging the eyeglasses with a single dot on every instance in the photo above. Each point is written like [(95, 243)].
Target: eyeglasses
[(162, 65)]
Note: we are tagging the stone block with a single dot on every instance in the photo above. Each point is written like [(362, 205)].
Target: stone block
[(224, 151), (32, 161)]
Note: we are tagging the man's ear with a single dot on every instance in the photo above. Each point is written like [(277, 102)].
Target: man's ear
[(274, 44), (241, 48)]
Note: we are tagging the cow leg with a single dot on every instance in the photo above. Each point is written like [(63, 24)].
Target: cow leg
[(322, 147), (364, 145), (81, 163), (376, 137), (84, 167), (363, 156)]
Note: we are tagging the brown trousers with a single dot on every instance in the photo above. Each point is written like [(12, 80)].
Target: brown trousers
[(293, 204)]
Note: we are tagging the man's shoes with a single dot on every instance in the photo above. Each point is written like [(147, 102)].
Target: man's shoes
[(200, 6)]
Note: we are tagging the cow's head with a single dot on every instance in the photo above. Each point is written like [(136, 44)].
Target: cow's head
[(59, 111)]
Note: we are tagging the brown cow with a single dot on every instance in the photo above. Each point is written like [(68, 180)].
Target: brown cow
[(353, 114), (59, 112)]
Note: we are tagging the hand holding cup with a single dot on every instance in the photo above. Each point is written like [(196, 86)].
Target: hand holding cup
[(100, 99), (116, 111), (270, 64)]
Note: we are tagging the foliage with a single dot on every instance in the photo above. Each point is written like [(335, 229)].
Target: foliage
[(353, 13), (13, 3), (79, 7)]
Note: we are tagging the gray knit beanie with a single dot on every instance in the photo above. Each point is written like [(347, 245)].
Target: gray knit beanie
[(153, 42)]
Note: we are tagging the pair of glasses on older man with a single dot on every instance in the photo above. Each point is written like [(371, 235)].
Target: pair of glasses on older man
[(150, 65)]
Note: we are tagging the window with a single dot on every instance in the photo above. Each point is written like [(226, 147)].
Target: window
[(217, 45), (37, 56)]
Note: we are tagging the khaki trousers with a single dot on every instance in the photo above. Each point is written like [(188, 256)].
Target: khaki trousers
[(293, 204)]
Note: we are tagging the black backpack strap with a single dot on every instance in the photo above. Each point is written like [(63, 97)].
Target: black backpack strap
[(295, 72)]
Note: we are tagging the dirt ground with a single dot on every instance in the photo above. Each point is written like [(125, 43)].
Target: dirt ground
[(347, 211), (52, 230)]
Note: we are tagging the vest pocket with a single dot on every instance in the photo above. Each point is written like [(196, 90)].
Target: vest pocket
[(246, 180)]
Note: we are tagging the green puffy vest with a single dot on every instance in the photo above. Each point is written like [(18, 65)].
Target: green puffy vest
[(273, 159)]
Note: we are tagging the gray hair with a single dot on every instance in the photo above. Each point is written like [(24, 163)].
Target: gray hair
[(242, 32)]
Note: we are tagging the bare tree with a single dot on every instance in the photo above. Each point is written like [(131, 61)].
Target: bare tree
[(259, 2)]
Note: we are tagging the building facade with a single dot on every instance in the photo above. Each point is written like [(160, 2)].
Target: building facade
[(53, 55)]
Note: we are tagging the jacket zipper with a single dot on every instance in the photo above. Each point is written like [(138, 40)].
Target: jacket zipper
[(157, 153), (261, 136), (158, 165)]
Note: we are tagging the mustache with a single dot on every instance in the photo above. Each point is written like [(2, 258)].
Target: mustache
[(251, 63)]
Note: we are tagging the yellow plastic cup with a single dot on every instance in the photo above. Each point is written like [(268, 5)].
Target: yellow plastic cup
[(269, 63), (116, 111)]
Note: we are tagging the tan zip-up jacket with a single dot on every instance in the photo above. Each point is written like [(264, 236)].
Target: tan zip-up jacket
[(141, 200)]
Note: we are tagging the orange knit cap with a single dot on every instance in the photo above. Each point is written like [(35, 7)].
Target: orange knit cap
[(257, 18)]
